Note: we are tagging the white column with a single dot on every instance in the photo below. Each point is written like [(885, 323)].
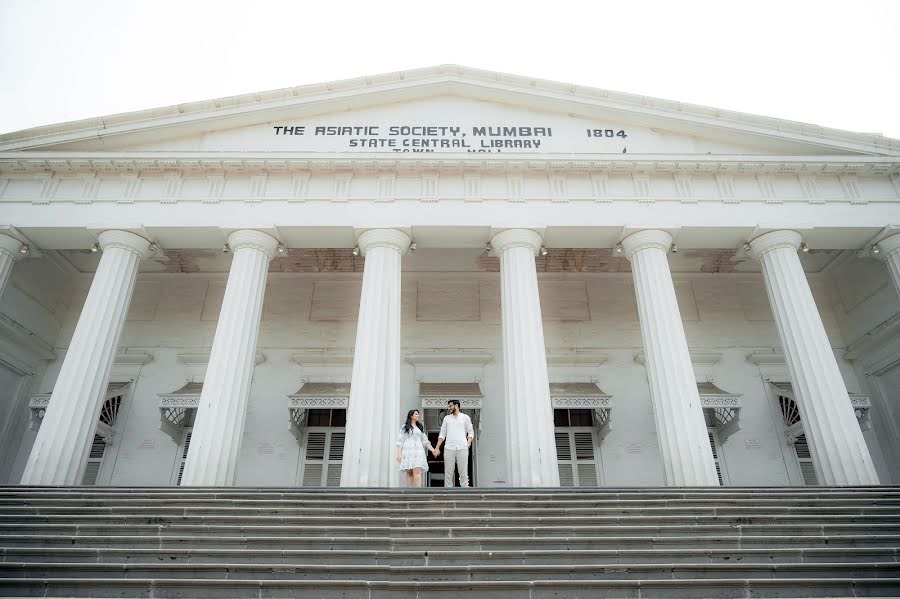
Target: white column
[(10, 251), (836, 442), (680, 425), (373, 417), (60, 450), (890, 248), (219, 424), (531, 446)]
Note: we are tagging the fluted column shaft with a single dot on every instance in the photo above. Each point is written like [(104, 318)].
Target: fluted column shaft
[(63, 441), (680, 425), (890, 248), (838, 449), (219, 424), (531, 447), (373, 417), (9, 253)]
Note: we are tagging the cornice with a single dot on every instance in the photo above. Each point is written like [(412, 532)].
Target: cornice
[(218, 163)]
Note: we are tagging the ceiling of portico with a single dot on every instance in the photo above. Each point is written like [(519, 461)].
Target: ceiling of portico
[(558, 260), (555, 118)]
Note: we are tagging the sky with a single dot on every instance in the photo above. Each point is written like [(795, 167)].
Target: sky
[(832, 63)]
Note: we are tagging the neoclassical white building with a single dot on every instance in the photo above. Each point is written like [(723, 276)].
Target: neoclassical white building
[(622, 291)]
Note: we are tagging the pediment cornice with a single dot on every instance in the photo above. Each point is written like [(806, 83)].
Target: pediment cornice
[(100, 163), (455, 80)]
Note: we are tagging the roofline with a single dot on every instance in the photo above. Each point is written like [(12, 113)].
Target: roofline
[(96, 126)]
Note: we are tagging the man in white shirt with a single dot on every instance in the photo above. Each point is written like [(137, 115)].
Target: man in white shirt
[(457, 430)]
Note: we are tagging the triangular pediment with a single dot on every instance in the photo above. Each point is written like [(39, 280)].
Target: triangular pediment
[(446, 109)]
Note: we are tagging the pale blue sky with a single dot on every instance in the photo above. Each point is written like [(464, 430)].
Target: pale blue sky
[(827, 62)]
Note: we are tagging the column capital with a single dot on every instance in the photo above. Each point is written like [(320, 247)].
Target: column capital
[(889, 245), (389, 238), (646, 239), (782, 239), (523, 238), (10, 246), (126, 241), (250, 238)]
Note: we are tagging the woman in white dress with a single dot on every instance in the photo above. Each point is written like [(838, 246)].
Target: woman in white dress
[(411, 445)]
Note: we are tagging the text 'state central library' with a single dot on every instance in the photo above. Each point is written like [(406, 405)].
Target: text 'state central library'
[(621, 291)]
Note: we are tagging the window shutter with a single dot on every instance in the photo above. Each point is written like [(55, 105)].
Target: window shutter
[(95, 459), (184, 452), (324, 450), (587, 474), (714, 445), (312, 475), (566, 477), (804, 458), (563, 447), (315, 445), (576, 456), (584, 446), (335, 455)]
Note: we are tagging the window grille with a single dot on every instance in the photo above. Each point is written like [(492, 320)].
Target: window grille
[(110, 410), (790, 411)]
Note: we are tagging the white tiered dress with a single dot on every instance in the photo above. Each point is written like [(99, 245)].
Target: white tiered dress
[(412, 449)]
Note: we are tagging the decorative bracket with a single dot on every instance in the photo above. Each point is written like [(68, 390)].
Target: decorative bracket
[(600, 406), (862, 406), (37, 405), (178, 409), (315, 396)]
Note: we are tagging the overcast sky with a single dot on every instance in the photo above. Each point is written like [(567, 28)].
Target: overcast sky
[(833, 63)]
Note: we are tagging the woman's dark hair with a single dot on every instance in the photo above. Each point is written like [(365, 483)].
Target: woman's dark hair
[(407, 428)]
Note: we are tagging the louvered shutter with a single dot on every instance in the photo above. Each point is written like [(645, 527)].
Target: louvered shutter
[(576, 457), (335, 455), (804, 458), (564, 458), (95, 459), (714, 445), (315, 456), (186, 444)]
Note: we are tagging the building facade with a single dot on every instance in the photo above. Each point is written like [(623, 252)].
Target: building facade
[(621, 291)]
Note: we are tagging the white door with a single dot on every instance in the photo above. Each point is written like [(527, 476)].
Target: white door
[(323, 452), (575, 454)]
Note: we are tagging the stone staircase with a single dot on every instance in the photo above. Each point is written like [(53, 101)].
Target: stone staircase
[(528, 543)]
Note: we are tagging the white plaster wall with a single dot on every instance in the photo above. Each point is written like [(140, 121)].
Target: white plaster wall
[(866, 306), (175, 314), (31, 307)]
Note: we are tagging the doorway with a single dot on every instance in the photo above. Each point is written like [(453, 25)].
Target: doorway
[(436, 469)]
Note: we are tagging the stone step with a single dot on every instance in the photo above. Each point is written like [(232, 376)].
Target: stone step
[(444, 557), (727, 588), (458, 499), (461, 573), (97, 521), (487, 531), (8, 512), (731, 540)]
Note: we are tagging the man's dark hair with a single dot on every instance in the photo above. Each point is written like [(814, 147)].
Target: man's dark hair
[(456, 401)]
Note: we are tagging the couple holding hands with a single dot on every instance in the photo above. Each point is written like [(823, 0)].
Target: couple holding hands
[(456, 431)]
